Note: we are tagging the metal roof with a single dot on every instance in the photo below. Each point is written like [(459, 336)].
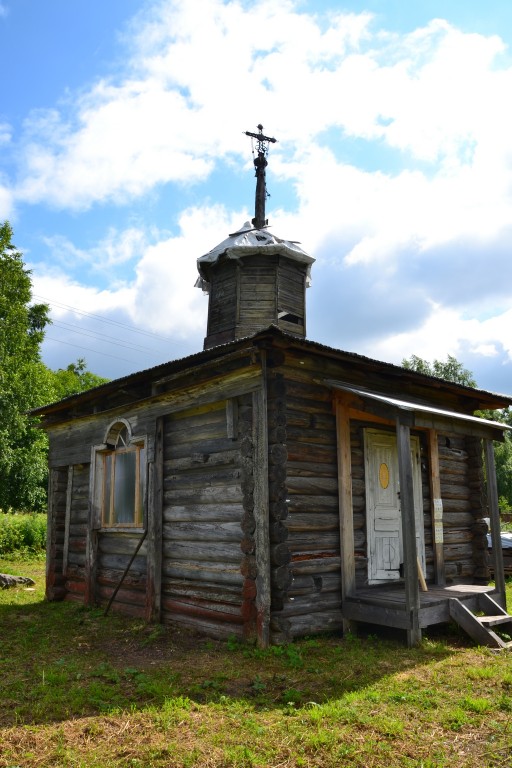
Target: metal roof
[(418, 408), (218, 351), (247, 242)]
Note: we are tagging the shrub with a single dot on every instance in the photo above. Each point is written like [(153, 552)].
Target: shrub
[(22, 532)]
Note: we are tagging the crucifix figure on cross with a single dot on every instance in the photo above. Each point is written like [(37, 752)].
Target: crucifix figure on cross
[(260, 163)]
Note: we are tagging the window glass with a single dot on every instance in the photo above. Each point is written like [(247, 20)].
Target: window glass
[(124, 475), (125, 481)]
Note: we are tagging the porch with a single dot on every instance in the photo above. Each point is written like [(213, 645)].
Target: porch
[(386, 605), (402, 604)]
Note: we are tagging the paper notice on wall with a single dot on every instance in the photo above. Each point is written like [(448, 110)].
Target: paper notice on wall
[(438, 509), (438, 533)]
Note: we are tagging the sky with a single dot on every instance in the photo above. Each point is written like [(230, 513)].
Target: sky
[(123, 159)]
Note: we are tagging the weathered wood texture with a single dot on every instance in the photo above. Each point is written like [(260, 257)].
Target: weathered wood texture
[(83, 428), (305, 539), (462, 493), (247, 295), (74, 564), (115, 550), (209, 571), (57, 496)]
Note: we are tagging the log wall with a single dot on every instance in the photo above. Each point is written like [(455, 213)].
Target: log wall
[(114, 551), (304, 525), (462, 492), (57, 495), (208, 573), (76, 531)]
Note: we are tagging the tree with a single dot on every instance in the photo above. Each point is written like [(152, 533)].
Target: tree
[(452, 370), (75, 379), (24, 382)]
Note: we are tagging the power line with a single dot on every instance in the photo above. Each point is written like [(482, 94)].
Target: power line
[(108, 320), (103, 337), (89, 349)]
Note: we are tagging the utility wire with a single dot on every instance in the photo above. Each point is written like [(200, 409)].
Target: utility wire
[(103, 337), (108, 320), (90, 349)]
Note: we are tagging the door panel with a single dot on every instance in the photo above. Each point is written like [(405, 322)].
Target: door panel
[(384, 520)]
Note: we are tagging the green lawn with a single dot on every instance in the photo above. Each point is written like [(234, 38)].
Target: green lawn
[(80, 689)]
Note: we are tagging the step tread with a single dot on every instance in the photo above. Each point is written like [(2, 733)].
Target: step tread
[(493, 620)]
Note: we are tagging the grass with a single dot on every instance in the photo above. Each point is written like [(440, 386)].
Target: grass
[(82, 690)]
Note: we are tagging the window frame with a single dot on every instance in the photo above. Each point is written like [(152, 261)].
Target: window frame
[(119, 441)]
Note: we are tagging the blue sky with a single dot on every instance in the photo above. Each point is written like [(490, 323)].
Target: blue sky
[(123, 160)]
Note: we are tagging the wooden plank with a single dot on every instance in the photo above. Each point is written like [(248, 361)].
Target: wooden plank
[(405, 469), (67, 518), (196, 551), (232, 418), (196, 572), (65, 449), (470, 624), (494, 513), (261, 510), (197, 513), (436, 507), (154, 524), (348, 571), (201, 530), (386, 616)]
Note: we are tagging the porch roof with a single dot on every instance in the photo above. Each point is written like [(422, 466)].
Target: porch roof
[(425, 416)]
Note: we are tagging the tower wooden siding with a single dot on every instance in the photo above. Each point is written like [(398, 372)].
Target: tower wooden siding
[(252, 293)]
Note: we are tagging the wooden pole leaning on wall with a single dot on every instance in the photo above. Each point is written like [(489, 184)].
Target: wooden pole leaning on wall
[(116, 590), (421, 577)]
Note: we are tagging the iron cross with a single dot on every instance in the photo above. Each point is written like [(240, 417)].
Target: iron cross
[(260, 163)]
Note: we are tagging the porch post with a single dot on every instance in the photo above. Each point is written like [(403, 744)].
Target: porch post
[(494, 513), (412, 595), (348, 572)]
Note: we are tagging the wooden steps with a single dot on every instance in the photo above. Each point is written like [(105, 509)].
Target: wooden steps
[(478, 627)]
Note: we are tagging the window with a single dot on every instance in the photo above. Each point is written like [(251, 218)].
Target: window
[(123, 472)]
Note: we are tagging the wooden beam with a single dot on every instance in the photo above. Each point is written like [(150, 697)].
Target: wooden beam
[(261, 511), (91, 549), (346, 522), (67, 518), (436, 508), (232, 418), (154, 524), (412, 595), (494, 514)]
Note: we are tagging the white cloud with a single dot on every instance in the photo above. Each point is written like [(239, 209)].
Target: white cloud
[(161, 297), (446, 332), (423, 211), (168, 119), (115, 249)]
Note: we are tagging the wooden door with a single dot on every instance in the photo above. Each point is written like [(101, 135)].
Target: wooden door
[(384, 521)]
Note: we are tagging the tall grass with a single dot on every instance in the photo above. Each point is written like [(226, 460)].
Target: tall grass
[(22, 533)]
